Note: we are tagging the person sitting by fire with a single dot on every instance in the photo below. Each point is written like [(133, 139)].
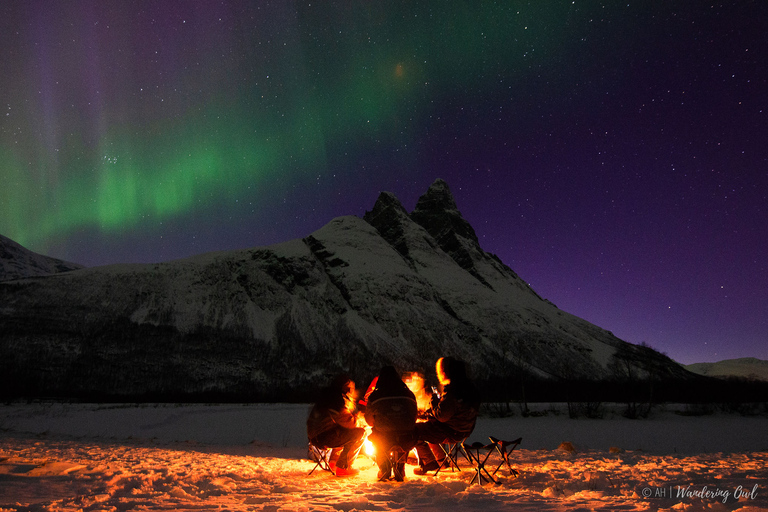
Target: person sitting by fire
[(332, 423), (391, 412), (451, 417)]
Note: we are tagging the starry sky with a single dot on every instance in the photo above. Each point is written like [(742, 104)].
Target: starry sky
[(612, 153)]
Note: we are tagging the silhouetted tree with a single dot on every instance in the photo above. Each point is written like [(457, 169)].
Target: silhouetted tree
[(637, 368)]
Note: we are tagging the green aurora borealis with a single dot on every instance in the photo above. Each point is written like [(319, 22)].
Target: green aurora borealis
[(116, 132), (612, 153)]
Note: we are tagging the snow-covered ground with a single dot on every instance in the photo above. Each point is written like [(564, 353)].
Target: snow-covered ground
[(252, 457)]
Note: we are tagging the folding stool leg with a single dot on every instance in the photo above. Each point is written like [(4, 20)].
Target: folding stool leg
[(505, 448), (478, 461), (451, 455), (322, 457), (398, 456)]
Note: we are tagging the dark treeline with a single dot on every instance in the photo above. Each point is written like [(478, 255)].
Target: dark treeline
[(123, 362), (639, 396), (696, 390)]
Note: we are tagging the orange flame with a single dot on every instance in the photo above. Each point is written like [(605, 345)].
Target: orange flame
[(415, 382), (370, 450)]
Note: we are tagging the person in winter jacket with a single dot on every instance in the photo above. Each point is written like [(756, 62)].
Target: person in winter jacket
[(452, 414), (391, 412), (332, 424)]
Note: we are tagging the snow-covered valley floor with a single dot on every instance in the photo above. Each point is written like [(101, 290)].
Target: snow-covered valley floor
[(253, 457)]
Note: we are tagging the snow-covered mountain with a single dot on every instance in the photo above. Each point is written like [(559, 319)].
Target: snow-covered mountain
[(745, 367), (390, 288), (16, 262)]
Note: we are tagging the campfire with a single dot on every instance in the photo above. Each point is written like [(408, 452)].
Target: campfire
[(416, 383), (368, 447)]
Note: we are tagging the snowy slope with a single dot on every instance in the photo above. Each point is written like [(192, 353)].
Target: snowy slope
[(746, 367), (393, 288), (16, 262)]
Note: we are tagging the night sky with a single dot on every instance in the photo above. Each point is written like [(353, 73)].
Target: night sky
[(613, 154)]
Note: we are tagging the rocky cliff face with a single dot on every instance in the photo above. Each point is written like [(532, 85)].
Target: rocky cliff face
[(391, 288)]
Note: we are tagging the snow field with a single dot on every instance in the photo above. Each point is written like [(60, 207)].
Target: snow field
[(63, 457)]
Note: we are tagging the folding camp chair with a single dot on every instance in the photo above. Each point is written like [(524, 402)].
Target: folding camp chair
[(505, 448), (321, 457), (478, 460), (451, 450)]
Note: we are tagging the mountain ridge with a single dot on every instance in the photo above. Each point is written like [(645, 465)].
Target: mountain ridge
[(388, 288), (18, 262), (744, 367)]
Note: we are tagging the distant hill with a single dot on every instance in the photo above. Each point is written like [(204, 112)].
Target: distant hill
[(17, 262), (747, 367)]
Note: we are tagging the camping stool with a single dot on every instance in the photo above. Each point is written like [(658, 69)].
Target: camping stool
[(321, 457), (397, 455), (451, 450), (478, 460), (505, 448)]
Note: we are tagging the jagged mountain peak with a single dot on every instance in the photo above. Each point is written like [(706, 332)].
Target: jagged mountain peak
[(436, 223), (437, 212), (386, 201), (437, 198), (389, 217)]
